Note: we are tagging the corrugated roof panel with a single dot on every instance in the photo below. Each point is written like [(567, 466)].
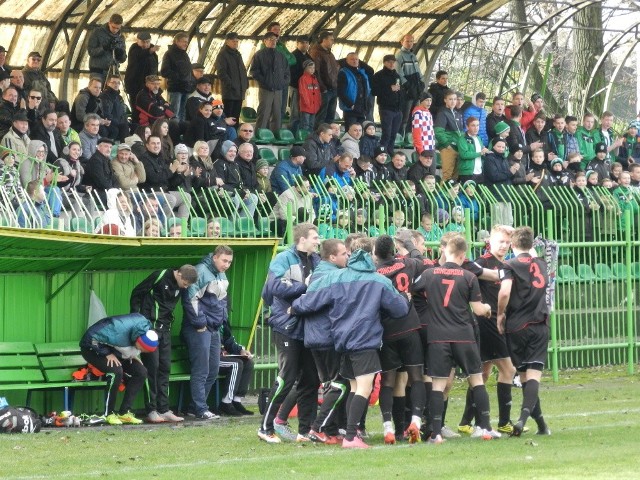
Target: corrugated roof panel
[(31, 38), (310, 19), (17, 8), (247, 20), (185, 17), (350, 25), (161, 12), (48, 10)]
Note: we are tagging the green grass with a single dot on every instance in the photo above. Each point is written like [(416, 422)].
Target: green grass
[(593, 415)]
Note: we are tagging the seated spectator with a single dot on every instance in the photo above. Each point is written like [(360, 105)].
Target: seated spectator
[(398, 167), (34, 78), (10, 179), (98, 172), (381, 169), (428, 229), (114, 109), (626, 201), (468, 199), (262, 174), (286, 171), (236, 364), (448, 197), (8, 108), (220, 118), (145, 207), (457, 221), (71, 169), (369, 139), (160, 129), (634, 171), (616, 170), (16, 138), (138, 139), (319, 152), (68, 134), (88, 101), (17, 81), (559, 175), (516, 164), (34, 166), (248, 168), (214, 229), (90, 135), (397, 222), (344, 172), (497, 170), (423, 167), (34, 107), (351, 139), (364, 170), (245, 134), (45, 131), (202, 94), (152, 228), (180, 181), (204, 175), (127, 169), (204, 127), (33, 212), (150, 104), (600, 164), (118, 218), (300, 199), (228, 170), (175, 231)]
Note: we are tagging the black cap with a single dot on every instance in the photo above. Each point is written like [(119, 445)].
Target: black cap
[(231, 36), (516, 148), (20, 116), (204, 79), (105, 140), (388, 58), (379, 150), (2, 49), (303, 38), (427, 153), (144, 36), (4, 75), (424, 96), (197, 66), (298, 151), (451, 183), (601, 147), (269, 35)]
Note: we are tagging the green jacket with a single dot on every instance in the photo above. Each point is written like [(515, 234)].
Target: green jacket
[(291, 59), (586, 144), (626, 200), (467, 154), (445, 138)]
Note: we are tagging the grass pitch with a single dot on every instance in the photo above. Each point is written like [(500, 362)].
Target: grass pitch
[(593, 415)]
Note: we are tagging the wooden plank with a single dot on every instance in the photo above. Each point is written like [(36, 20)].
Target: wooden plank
[(61, 348), (16, 348), (19, 361), (20, 376)]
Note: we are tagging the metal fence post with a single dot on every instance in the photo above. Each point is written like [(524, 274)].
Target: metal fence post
[(630, 296), (552, 315)]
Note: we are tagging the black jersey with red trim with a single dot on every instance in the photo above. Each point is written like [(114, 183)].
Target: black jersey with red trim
[(419, 297), (449, 290), (402, 271), (472, 267), (490, 289), (527, 303)]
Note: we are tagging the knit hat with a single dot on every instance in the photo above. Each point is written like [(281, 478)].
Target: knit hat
[(469, 183), (298, 151), (144, 36), (501, 127), (217, 102), (535, 97), (424, 96), (556, 161), (601, 147), (307, 63), (516, 148), (226, 145), (589, 173), (148, 342), (635, 124), (379, 150), (261, 164), (366, 124), (442, 215), (181, 148)]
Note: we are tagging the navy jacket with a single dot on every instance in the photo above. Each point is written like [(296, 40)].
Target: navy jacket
[(205, 303), (317, 327)]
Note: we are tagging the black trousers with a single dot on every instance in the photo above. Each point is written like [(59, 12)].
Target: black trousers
[(238, 372), (232, 109), (133, 371), (158, 365), (335, 390), (295, 362)]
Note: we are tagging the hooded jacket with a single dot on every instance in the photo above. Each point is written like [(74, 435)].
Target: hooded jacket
[(355, 297), (287, 170), (205, 303), (142, 62), (317, 327), (327, 67), (30, 169), (481, 114), (105, 336), (113, 216), (156, 297), (104, 47)]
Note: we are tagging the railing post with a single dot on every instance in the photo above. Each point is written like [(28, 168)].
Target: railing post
[(553, 327), (289, 233), (630, 293), (468, 231)]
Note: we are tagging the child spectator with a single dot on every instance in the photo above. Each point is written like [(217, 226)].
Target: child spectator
[(559, 176), (626, 201), (457, 221), (364, 170), (600, 164), (33, 212), (557, 139), (262, 174), (616, 170), (422, 130), (515, 164), (428, 229), (369, 140), (309, 94), (361, 221), (380, 167), (10, 179), (118, 218), (468, 199), (397, 222), (573, 162), (629, 151), (342, 229)]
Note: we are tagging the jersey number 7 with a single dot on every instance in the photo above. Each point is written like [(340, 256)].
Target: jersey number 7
[(447, 295)]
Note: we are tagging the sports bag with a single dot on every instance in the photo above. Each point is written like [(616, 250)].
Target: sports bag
[(19, 420)]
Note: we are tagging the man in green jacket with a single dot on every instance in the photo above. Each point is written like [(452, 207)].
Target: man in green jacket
[(470, 151), (586, 142)]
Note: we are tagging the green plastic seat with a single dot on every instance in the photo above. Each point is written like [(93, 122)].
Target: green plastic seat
[(284, 154), (408, 139), (619, 271), (79, 224), (197, 227), (245, 227), (226, 227), (566, 274), (264, 136), (635, 270), (285, 137), (603, 272), (586, 273), (399, 143), (263, 227), (301, 136), (268, 155), (248, 115)]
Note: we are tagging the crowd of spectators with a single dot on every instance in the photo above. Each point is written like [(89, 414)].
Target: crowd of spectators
[(190, 154)]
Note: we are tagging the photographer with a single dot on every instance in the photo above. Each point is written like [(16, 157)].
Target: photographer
[(106, 46)]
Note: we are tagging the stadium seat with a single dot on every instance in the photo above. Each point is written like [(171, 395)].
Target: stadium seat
[(284, 154), (301, 136), (414, 156), (263, 227), (408, 140), (325, 231), (245, 227), (619, 271), (586, 273), (97, 222), (285, 137), (635, 270), (566, 274), (79, 224), (268, 155), (226, 227), (197, 227), (603, 272), (399, 143), (264, 136), (248, 115)]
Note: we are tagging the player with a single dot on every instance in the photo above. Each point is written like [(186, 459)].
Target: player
[(522, 315)]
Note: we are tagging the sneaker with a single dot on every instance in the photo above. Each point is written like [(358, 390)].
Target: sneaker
[(284, 431), (92, 420), (333, 440), (389, 438), (357, 442), (129, 418), (413, 432), (155, 417), (169, 416), (478, 432), (362, 433), (467, 429), (516, 381), (436, 441), (228, 410), (240, 408), (517, 430), (447, 432), (269, 437), (113, 419), (302, 438), (318, 437), (207, 415), (491, 435)]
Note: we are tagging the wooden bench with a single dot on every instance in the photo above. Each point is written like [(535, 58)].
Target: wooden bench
[(19, 368)]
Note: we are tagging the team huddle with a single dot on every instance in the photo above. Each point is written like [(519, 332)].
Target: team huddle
[(377, 305)]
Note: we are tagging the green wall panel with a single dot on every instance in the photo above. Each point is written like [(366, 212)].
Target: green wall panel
[(22, 306)]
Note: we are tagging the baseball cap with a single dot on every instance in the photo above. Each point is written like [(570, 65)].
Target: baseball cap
[(144, 36), (34, 54), (123, 146), (2, 49)]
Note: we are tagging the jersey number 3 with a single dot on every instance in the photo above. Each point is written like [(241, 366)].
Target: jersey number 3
[(538, 279)]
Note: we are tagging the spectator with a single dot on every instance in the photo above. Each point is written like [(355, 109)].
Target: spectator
[(518, 137), (517, 164), (528, 112), (557, 139), (8, 108), (301, 55), (35, 107), (160, 128), (497, 170), (437, 90), (300, 199), (600, 164), (448, 129), (286, 171), (219, 117), (88, 101), (98, 172), (634, 172), (180, 181), (381, 170), (558, 175), (143, 61), (5, 79), (232, 75), (470, 150), (152, 228), (63, 125), (202, 94), (150, 104), (274, 27), (386, 87), (571, 140), (90, 134), (34, 166), (538, 174), (71, 169), (629, 152), (262, 172), (205, 127), (228, 171), (624, 195), (536, 136), (411, 80), (271, 70), (309, 96), (214, 229), (34, 78), (10, 179), (17, 81), (344, 172), (33, 213), (176, 68), (16, 138), (204, 176), (138, 139), (114, 109), (398, 167), (205, 305), (106, 46), (351, 139), (3, 57), (353, 91), (476, 109), (423, 167), (327, 68), (245, 134), (422, 132), (605, 134), (127, 169), (586, 139), (318, 152), (45, 131), (247, 167), (175, 231), (497, 115), (369, 140)]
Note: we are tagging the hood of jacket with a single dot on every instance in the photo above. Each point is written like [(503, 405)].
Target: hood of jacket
[(34, 146), (361, 261)]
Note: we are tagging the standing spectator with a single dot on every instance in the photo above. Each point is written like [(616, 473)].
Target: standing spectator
[(448, 129), (423, 134), (327, 68), (114, 109), (528, 112), (605, 134), (34, 78), (8, 108), (286, 171), (232, 74), (16, 138), (629, 152), (301, 54), (202, 94), (64, 127), (410, 80), (143, 61), (517, 137), (386, 86), (127, 169), (90, 134), (205, 305), (309, 96), (536, 135), (274, 27), (470, 150), (318, 149), (476, 109), (106, 46), (98, 172), (45, 130), (155, 298), (496, 116), (437, 90), (88, 101), (353, 91), (150, 104), (557, 138), (176, 68), (17, 81), (351, 139), (271, 70), (586, 139), (3, 57)]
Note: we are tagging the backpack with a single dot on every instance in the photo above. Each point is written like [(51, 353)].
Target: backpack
[(19, 420)]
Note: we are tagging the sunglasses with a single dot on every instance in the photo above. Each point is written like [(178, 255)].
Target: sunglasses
[(248, 131), (218, 107), (33, 97)]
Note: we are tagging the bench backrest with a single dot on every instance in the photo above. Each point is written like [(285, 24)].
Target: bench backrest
[(59, 360), (19, 363)]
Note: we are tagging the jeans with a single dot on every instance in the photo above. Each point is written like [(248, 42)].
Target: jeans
[(158, 365), (327, 112), (178, 101), (390, 123), (307, 121), (204, 357)]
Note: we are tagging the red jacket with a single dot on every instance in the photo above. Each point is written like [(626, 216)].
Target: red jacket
[(527, 117), (309, 93)]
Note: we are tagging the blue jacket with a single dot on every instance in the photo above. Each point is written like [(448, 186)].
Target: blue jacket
[(119, 331), (355, 297), (472, 204), (480, 114), (284, 284), (287, 170), (205, 302), (351, 91), (317, 327)]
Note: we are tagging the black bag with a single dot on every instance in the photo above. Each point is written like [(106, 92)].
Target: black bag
[(19, 420)]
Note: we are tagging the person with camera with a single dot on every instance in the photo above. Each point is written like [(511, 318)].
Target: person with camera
[(106, 47)]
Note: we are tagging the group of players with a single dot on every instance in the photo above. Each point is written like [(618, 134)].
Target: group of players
[(367, 306)]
